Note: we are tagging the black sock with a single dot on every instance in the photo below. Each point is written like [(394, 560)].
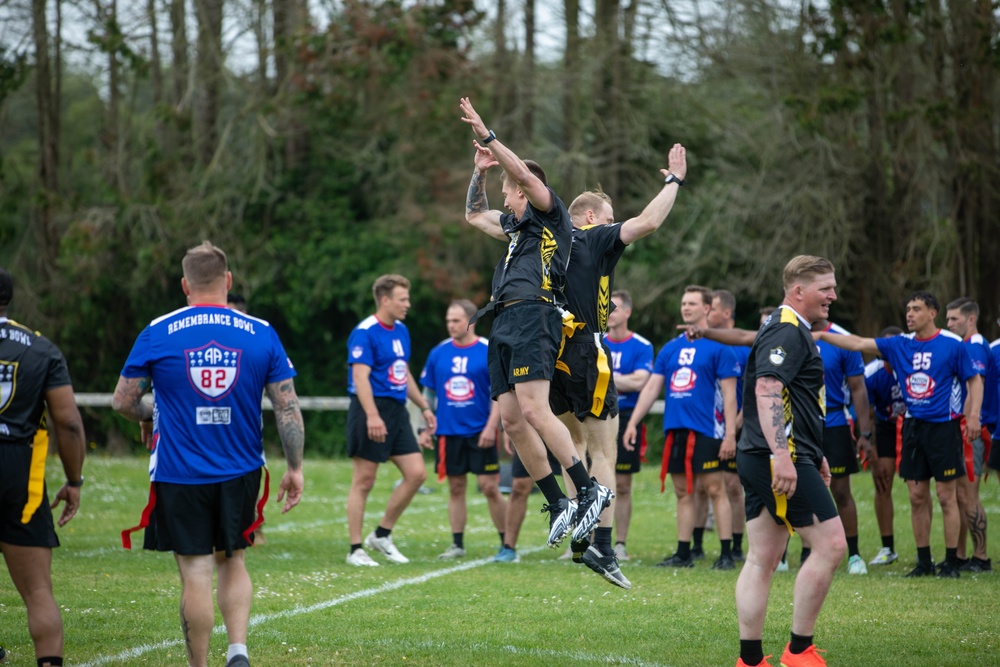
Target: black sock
[(621, 542), (726, 549), (54, 661), (698, 537), (799, 643), (458, 539), (501, 538), (889, 542), (924, 556), (550, 488), (852, 546), (738, 543), (951, 557), (507, 546), (805, 554), (752, 651), (578, 473), (354, 547), (602, 539), (684, 550), (382, 532)]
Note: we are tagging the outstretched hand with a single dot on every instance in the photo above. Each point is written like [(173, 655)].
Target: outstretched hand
[(484, 159), (677, 161), (472, 118)]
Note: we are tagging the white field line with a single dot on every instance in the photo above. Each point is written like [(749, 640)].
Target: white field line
[(259, 619)]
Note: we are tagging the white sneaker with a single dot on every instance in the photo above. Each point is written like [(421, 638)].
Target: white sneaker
[(782, 566), (884, 556), (384, 546), (453, 552), (360, 557), (856, 565), (620, 552)]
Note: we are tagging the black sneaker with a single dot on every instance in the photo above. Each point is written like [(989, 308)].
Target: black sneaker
[(977, 565), (3, 654), (947, 571), (923, 570), (676, 561), (697, 552), (562, 514), (605, 565), (578, 549), (590, 503), (738, 556), (239, 661), (725, 562)]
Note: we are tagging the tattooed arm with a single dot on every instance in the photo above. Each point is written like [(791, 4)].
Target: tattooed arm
[(771, 413), (291, 430), (127, 400), (477, 208)]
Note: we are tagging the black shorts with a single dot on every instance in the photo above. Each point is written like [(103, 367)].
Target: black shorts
[(840, 451), (684, 454), (200, 519), (524, 343), (888, 439), (399, 439), (811, 496), (932, 449), (518, 471), (15, 470), (578, 385), (629, 463), (729, 465), (463, 455)]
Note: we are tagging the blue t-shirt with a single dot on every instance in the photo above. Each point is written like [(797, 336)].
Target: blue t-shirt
[(691, 370), (838, 365), (460, 377), (209, 366), (628, 356), (982, 362), (386, 350), (884, 394), (931, 373), (742, 353), (991, 392)]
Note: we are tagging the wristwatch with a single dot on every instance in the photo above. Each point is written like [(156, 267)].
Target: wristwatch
[(75, 485), (673, 179), (490, 137)]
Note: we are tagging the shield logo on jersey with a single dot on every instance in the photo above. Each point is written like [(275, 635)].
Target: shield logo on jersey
[(213, 369), (776, 356), (8, 382), (920, 385), (683, 379), (459, 389), (398, 372)]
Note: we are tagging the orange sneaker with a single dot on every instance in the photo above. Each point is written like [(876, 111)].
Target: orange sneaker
[(808, 658), (765, 663)]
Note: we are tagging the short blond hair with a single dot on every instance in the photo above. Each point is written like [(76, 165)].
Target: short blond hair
[(592, 200), (803, 269), (204, 264), (384, 285)]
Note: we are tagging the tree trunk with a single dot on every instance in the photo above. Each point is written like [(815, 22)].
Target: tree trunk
[(502, 81), (573, 176), (608, 105), (527, 87), (181, 131), (290, 21), (48, 140), (208, 78), (156, 68)]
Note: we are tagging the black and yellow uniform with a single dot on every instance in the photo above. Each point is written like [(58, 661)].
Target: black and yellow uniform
[(30, 365), (785, 349), (582, 383)]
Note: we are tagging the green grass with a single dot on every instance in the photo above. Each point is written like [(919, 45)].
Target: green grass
[(310, 608)]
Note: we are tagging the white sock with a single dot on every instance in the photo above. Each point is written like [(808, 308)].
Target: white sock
[(235, 650)]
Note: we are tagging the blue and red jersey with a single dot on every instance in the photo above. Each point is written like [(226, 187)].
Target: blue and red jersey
[(459, 376), (628, 356), (692, 370), (838, 366), (386, 350), (884, 393)]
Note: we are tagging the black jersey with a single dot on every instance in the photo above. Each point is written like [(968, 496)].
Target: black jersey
[(30, 365), (591, 274), (537, 254), (785, 349)]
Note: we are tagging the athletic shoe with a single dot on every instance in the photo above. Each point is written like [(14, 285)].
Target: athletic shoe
[(947, 571), (360, 557), (454, 551), (577, 549), (384, 546), (606, 566), (856, 565), (507, 555), (725, 562), (697, 552), (676, 561), (590, 503), (562, 515), (738, 556), (884, 556), (977, 565), (923, 570), (620, 552), (808, 658), (3, 654), (782, 566), (239, 661), (764, 663)]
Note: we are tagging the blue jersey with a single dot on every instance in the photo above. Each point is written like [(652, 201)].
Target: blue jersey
[(209, 366), (633, 354), (982, 361), (692, 370), (838, 365), (386, 350), (884, 394), (991, 391), (460, 377), (931, 373), (742, 353)]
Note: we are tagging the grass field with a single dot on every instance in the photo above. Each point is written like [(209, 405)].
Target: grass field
[(310, 608)]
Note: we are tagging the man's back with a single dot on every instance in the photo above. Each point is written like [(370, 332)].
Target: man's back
[(30, 365)]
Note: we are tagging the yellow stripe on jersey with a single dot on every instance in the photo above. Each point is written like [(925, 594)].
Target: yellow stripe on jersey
[(603, 303), (789, 317), (781, 505), (603, 378), (786, 404), (36, 474), (547, 249)]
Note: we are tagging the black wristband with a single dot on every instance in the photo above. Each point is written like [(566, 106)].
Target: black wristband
[(866, 434), (673, 179), (75, 485), (490, 137)]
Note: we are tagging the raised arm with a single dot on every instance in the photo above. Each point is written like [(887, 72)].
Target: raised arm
[(537, 193), (850, 342), (656, 211), (291, 430), (477, 208)]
